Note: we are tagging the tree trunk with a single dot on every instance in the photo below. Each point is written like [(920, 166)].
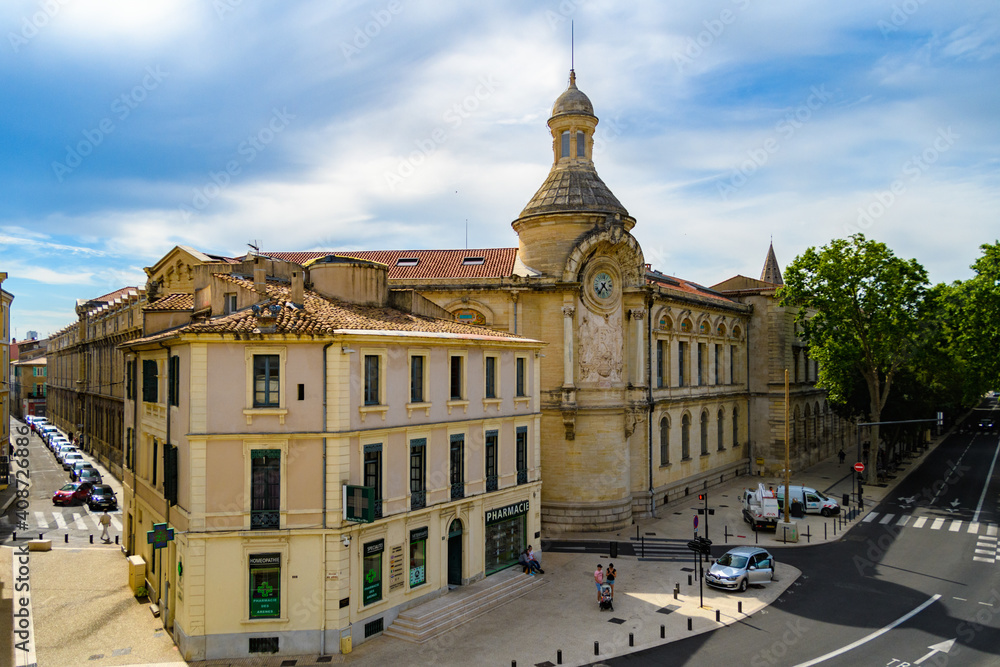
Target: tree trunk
[(871, 465)]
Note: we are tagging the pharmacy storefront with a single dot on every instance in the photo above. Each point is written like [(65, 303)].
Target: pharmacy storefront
[(506, 535)]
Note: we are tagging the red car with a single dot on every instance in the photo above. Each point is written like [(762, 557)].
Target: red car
[(72, 493)]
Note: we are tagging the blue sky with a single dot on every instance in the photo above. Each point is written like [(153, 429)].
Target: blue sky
[(131, 127)]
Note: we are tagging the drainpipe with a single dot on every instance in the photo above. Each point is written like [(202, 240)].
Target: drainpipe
[(135, 439), (750, 447), (649, 395), (322, 632)]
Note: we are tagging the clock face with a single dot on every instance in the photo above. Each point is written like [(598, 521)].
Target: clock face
[(603, 285)]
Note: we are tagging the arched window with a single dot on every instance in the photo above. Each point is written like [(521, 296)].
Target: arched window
[(704, 432), (664, 441), (581, 145), (686, 437), (565, 145), (808, 425), (736, 427), (795, 432), (720, 429)]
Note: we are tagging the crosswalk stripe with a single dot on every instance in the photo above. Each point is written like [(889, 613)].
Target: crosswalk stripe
[(937, 523), (974, 527), (887, 518), (60, 520), (116, 523), (78, 522), (987, 538), (919, 523), (987, 552), (871, 515), (991, 530), (40, 518), (903, 519), (956, 526), (984, 560)]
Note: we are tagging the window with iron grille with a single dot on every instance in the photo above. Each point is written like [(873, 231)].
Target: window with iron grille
[(457, 466), (521, 442), (373, 474), (263, 644), (491, 377), (492, 480), (265, 489), (418, 473), (416, 379), (266, 381), (149, 381), (372, 395)]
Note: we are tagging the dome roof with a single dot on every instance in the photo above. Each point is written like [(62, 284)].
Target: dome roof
[(575, 189), (573, 100)]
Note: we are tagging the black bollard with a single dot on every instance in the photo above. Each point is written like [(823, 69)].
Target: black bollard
[(663, 631), (66, 538), (675, 593), (824, 531), (689, 580), (689, 623), (513, 663), (91, 539), (739, 606), (116, 539), (39, 536), (14, 537), (597, 648), (631, 639), (559, 657)]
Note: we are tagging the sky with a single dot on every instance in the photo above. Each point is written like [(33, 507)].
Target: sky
[(127, 128)]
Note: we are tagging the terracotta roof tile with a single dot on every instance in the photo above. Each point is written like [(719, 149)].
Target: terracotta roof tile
[(497, 262), (118, 293), (176, 301), (680, 285)]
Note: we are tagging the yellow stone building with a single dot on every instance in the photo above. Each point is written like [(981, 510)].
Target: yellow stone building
[(5, 392)]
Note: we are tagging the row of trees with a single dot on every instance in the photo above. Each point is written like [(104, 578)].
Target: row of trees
[(890, 346)]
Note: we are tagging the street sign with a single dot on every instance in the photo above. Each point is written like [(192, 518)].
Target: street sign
[(159, 536), (859, 467), (696, 523)]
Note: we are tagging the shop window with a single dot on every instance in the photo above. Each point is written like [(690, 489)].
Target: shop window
[(521, 440), (371, 572), (373, 474), (506, 534), (266, 381), (265, 489), (418, 557), (418, 473), (457, 466), (492, 480), (265, 585)]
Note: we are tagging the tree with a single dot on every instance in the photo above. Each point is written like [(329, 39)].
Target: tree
[(977, 323), (859, 312)]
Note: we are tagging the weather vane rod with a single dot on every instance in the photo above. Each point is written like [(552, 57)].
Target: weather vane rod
[(571, 45)]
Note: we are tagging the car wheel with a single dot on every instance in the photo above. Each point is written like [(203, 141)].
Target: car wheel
[(743, 586), (825, 511)]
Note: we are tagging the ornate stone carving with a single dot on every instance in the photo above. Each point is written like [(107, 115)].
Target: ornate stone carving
[(637, 313), (568, 311), (633, 418), (601, 348), (569, 423)]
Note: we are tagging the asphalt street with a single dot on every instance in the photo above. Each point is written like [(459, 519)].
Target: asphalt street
[(916, 582)]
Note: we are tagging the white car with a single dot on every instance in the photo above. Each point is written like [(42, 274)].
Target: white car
[(69, 459)]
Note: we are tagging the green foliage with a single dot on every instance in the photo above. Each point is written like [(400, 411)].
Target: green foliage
[(975, 312), (141, 592)]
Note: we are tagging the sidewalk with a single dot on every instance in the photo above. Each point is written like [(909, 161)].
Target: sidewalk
[(563, 616)]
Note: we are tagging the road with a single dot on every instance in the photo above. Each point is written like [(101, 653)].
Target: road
[(915, 583), (71, 526)]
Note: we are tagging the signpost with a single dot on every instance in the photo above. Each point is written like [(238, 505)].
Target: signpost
[(859, 467)]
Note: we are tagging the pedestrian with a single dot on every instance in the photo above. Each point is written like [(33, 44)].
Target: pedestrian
[(599, 579), (842, 454), (610, 575), (105, 522), (533, 560)]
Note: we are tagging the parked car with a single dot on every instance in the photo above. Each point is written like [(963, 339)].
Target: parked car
[(59, 442), (77, 467), (89, 475), (64, 450), (69, 459), (102, 497), (740, 567), (72, 493), (813, 501)]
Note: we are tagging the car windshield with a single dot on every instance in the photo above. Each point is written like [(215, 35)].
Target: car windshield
[(69, 487), (102, 489), (822, 496), (733, 560)]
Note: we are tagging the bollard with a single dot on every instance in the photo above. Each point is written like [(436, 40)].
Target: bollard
[(40, 536), (739, 606), (718, 615), (689, 580), (597, 648), (91, 538), (631, 639), (66, 538), (116, 539), (675, 593), (13, 537), (513, 663), (663, 631), (613, 548), (756, 537), (689, 623), (824, 530), (559, 657)]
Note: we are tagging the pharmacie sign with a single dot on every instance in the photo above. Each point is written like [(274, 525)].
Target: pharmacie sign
[(265, 584), (506, 512)]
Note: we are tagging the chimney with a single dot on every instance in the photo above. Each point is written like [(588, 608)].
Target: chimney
[(259, 276), (298, 288)]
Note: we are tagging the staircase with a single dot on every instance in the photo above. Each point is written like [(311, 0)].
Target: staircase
[(461, 605)]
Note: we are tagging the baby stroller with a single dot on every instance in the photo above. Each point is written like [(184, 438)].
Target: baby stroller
[(605, 603)]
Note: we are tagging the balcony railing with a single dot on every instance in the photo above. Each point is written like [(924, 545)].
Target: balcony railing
[(458, 490), (522, 476), (418, 500), (378, 509), (265, 520), (492, 483)]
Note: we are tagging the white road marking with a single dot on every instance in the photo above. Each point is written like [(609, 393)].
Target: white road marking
[(871, 515), (983, 560), (986, 552), (78, 521), (987, 538), (956, 526), (989, 476), (960, 599), (974, 527), (887, 518), (874, 635), (40, 518), (919, 523), (60, 520), (986, 604), (991, 530), (116, 523), (937, 523), (903, 519)]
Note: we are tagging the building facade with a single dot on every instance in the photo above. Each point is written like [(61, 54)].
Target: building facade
[(6, 298), (29, 371), (260, 413)]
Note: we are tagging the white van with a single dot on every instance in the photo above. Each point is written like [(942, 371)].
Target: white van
[(813, 501)]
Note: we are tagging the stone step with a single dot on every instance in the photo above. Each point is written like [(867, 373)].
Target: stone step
[(434, 618)]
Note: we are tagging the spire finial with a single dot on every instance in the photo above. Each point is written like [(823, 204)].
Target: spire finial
[(572, 43)]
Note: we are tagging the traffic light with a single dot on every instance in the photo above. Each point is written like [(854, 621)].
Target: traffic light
[(700, 545), (701, 496)]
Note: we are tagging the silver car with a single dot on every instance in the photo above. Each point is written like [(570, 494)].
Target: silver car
[(740, 567)]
